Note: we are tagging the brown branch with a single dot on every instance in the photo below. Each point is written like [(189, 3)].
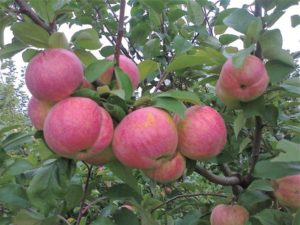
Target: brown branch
[(161, 81), (210, 31), (120, 31), (187, 196), (236, 189), (226, 181), (86, 186), (25, 9)]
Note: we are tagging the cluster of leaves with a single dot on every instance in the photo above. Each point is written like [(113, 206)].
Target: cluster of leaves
[(179, 46)]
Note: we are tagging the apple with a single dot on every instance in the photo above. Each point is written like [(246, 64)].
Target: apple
[(128, 66), (201, 133), (72, 126), (169, 171), (242, 84), (145, 138), (229, 215), (54, 74), (287, 190), (37, 112)]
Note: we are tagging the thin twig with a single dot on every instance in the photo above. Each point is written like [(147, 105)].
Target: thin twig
[(63, 219), (25, 9), (226, 181), (120, 31), (236, 189), (161, 81), (86, 186), (210, 31), (187, 196)]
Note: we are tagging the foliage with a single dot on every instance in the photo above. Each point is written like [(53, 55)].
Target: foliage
[(180, 47)]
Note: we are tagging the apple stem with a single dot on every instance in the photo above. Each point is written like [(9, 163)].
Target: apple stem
[(85, 192), (120, 31), (25, 9), (187, 196)]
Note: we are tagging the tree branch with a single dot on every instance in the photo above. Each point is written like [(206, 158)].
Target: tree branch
[(187, 196), (84, 194), (25, 9), (120, 31), (236, 189), (226, 181)]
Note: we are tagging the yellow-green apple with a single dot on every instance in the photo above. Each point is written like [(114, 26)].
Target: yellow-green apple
[(169, 171), (287, 190), (72, 126), (54, 74), (242, 84), (145, 138), (37, 112), (128, 67), (229, 215), (201, 133)]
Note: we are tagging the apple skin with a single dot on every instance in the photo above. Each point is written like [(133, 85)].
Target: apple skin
[(242, 84), (145, 138), (287, 191), (99, 151), (37, 112), (54, 74), (169, 171), (72, 126), (229, 215), (201, 133), (128, 66)]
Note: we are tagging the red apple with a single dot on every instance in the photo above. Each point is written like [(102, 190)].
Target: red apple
[(54, 74), (169, 171), (287, 190), (37, 112), (72, 126), (201, 133), (145, 138), (128, 66), (229, 215), (242, 84)]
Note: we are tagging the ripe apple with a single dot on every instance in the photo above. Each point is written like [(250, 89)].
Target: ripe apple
[(169, 171), (229, 215), (128, 66), (37, 112), (287, 190), (242, 84), (54, 74), (201, 133), (72, 126), (145, 138)]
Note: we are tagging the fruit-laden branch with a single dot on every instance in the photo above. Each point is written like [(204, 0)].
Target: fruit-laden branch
[(25, 9), (226, 181), (120, 31), (86, 187), (188, 196)]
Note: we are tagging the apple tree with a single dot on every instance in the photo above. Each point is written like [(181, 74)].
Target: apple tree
[(178, 112)]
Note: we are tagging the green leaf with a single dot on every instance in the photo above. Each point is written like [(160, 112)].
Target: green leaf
[(15, 140), (156, 5), (239, 20), (176, 14), (239, 58), (274, 170), (181, 45), (279, 55), (278, 71), (50, 184), (273, 217), (297, 218), (107, 51), (169, 104), (226, 39), (101, 220), (256, 107), (184, 96), (239, 123), (146, 68), (19, 166), (127, 216), (124, 173), (291, 151), (191, 218), (253, 32), (13, 195), (262, 185), (44, 9), (292, 85), (85, 57), (195, 12), (273, 18), (28, 54), (10, 50), (245, 142), (117, 112), (152, 48), (31, 34), (124, 82), (254, 201), (295, 20), (123, 192), (25, 217), (146, 217), (140, 32), (94, 70), (58, 40), (87, 93), (86, 39)]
